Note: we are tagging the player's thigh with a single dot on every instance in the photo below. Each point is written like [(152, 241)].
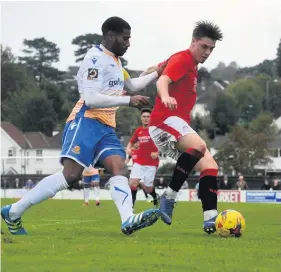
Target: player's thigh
[(175, 136), (78, 147), (207, 162), (149, 176), (111, 154)]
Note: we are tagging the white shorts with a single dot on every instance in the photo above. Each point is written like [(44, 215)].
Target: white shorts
[(166, 135), (145, 173)]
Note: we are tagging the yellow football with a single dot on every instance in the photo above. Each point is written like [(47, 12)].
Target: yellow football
[(230, 223)]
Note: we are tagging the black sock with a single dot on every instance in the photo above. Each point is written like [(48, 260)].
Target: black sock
[(208, 187), (185, 164), (134, 196), (145, 193), (153, 194)]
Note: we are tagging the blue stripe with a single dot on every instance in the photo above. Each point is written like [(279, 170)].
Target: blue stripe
[(98, 47), (87, 179), (119, 190)]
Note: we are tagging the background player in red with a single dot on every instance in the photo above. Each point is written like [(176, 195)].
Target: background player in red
[(170, 119), (134, 188), (147, 160)]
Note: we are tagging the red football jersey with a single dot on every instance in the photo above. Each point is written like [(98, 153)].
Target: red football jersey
[(146, 147), (134, 154), (182, 70)]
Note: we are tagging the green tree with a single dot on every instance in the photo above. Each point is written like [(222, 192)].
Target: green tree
[(244, 150), (264, 124), (86, 42), (279, 59), (30, 110), (203, 74), (127, 119), (266, 67), (40, 54), (248, 97), (224, 112), (224, 72), (14, 76), (272, 94)]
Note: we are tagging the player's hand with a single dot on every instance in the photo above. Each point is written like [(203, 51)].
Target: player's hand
[(129, 151), (161, 68), (154, 155), (169, 102), (138, 101)]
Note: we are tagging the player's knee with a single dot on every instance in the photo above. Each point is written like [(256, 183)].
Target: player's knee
[(120, 170), (72, 177), (201, 147), (209, 163)]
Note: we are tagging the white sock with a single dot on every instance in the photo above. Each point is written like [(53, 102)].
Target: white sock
[(209, 214), (121, 195), (86, 195), (171, 194), (97, 193), (45, 189)]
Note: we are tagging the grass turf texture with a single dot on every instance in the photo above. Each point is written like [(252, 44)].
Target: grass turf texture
[(64, 235)]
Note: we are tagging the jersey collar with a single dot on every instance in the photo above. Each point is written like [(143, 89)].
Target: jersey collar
[(106, 50)]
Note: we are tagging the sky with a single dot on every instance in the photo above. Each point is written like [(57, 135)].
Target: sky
[(252, 29)]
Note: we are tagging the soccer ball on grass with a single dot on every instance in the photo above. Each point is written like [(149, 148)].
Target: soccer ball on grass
[(230, 223)]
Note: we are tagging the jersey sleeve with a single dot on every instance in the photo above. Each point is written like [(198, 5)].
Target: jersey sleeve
[(134, 138), (176, 68), (92, 72)]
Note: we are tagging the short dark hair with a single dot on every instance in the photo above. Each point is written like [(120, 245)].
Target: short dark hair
[(207, 29), (145, 110), (116, 24)]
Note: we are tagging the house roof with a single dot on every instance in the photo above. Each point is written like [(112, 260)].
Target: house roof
[(31, 140), (37, 140), (15, 134)]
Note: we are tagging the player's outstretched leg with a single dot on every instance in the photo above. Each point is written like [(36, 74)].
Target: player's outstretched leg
[(185, 163), (121, 195), (44, 190), (15, 226)]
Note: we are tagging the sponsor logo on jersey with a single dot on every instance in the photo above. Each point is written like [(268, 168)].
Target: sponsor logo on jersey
[(118, 82)]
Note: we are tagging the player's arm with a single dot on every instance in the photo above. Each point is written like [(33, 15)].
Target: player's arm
[(132, 141), (173, 72), (149, 70), (138, 83), (92, 85)]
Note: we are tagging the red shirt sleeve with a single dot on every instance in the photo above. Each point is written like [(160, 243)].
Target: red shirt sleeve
[(176, 68), (134, 138)]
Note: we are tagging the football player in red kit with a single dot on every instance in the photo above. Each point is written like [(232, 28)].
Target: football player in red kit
[(170, 123), (147, 160)]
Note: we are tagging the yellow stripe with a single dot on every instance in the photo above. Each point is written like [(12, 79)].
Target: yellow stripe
[(126, 74)]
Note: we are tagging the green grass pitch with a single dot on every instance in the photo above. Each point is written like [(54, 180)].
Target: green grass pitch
[(64, 235)]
